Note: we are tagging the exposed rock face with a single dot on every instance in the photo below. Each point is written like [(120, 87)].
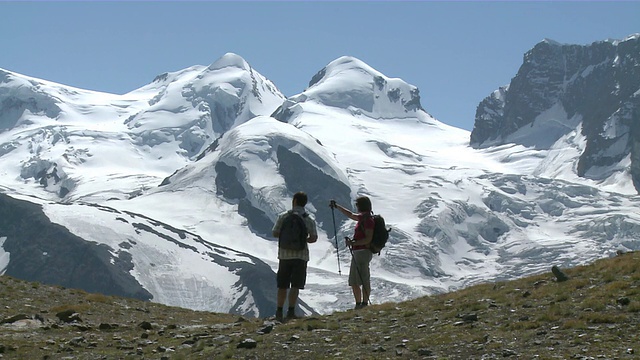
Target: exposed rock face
[(597, 85), (47, 252)]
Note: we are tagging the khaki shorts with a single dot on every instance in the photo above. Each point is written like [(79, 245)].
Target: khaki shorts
[(359, 273)]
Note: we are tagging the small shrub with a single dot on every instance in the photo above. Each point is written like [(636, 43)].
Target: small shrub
[(602, 318), (574, 324), (616, 287), (98, 298), (593, 304), (77, 308)]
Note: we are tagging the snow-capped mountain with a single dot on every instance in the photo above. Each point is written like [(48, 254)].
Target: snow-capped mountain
[(586, 98), (172, 189)]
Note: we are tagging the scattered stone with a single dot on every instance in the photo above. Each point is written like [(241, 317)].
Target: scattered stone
[(294, 338), (508, 353), (630, 351), (560, 276), (469, 317), (105, 326), (399, 352), (540, 282), (527, 293), (624, 301), (14, 318), (76, 341), (247, 344), (69, 316), (379, 348), (425, 352), (145, 325)]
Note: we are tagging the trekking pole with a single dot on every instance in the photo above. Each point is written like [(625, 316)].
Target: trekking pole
[(335, 232)]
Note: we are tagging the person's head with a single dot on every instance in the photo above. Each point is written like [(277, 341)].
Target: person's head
[(363, 204), (300, 199)]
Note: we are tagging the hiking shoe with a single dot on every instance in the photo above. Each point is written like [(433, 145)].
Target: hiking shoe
[(279, 316), (360, 305), (292, 316)]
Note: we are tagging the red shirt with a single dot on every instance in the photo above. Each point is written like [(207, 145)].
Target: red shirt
[(365, 221)]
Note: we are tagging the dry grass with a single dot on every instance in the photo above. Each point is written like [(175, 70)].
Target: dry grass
[(596, 314)]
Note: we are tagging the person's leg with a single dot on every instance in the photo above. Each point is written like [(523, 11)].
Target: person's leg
[(283, 279), (298, 281), (282, 296), (357, 293), (361, 259), (354, 280), (366, 276), (293, 298)]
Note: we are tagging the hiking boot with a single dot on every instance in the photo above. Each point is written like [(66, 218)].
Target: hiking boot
[(360, 305), (279, 316), (291, 316)]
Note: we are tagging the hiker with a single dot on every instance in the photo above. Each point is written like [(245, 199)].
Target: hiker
[(359, 275), (292, 265)]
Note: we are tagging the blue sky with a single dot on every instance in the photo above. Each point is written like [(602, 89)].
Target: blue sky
[(456, 53)]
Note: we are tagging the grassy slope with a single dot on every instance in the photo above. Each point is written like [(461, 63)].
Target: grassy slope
[(595, 314)]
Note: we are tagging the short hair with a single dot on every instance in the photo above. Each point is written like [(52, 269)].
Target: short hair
[(363, 204), (301, 198)]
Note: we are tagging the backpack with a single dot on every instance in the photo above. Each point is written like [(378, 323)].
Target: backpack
[(380, 234), (293, 232)]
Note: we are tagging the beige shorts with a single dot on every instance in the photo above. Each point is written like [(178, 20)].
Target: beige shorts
[(359, 273)]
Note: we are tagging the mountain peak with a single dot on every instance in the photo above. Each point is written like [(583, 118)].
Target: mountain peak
[(349, 83), (551, 42), (343, 67), (230, 60), (351, 63)]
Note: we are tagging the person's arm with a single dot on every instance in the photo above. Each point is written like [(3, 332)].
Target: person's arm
[(346, 212), (311, 229), (312, 238), (276, 227)]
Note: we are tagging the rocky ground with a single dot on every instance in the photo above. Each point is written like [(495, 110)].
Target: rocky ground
[(595, 314)]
